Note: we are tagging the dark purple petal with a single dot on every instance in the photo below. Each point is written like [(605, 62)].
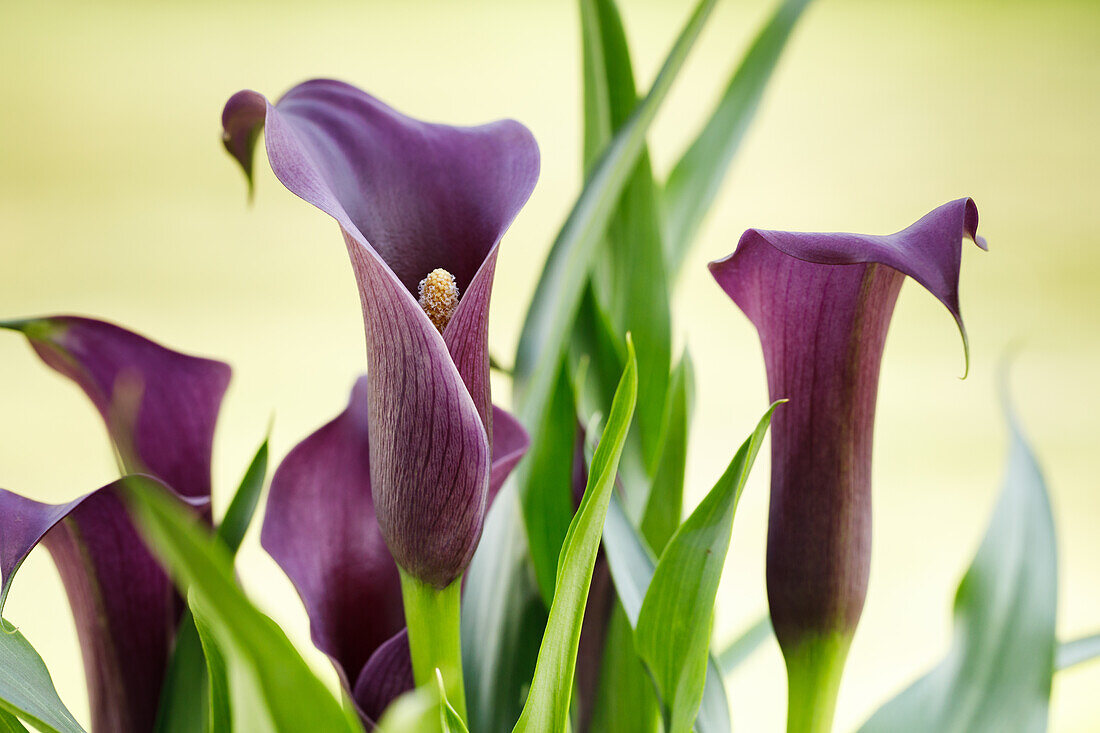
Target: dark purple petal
[(124, 605), (410, 197), (160, 406), (822, 305), (387, 675), (320, 528), (510, 443)]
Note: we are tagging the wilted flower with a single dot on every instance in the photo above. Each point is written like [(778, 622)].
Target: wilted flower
[(160, 407)]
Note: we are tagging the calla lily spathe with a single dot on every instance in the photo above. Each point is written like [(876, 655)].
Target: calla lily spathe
[(160, 408), (320, 527), (410, 198), (822, 305)]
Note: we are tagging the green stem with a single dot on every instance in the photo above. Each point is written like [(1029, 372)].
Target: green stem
[(432, 617), (814, 669)]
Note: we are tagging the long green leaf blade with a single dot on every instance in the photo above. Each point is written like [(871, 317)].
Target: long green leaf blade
[(630, 271), (547, 706), (26, 688), (632, 566), (1078, 651), (10, 724), (559, 290), (665, 505), (184, 702), (695, 180), (219, 716), (997, 675), (273, 688), (677, 614)]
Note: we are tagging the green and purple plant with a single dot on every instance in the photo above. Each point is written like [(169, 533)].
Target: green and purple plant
[(465, 569)]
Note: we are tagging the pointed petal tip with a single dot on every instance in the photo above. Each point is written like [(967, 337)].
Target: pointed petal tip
[(242, 121)]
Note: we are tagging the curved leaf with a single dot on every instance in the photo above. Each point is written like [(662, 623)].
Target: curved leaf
[(26, 688), (997, 675), (674, 623), (547, 706)]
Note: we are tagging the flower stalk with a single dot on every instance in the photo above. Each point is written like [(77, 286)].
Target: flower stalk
[(433, 620)]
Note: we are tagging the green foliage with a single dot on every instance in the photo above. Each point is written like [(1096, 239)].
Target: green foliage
[(185, 702), (629, 272), (272, 688), (219, 712), (9, 723), (997, 675), (697, 177), (632, 567), (674, 624), (665, 505), (547, 495), (547, 706), (1078, 651), (26, 688), (423, 710)]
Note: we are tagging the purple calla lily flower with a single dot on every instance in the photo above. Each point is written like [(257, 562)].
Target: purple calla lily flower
[(822, 305), (422, 208), (160, 407), (320, 527)]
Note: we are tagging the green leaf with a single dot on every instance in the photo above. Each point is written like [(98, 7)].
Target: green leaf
[(1077, 651), (741, 648), (219, 717), (184, 701), (626, 701), (9, 723), (547, 491), (241, 509), (997, 675), (272, 686), (502, 620), (665, 505), (423, 710), (695, 180), (632, 568), (26, 688), (547, 706), (674, 624), (630, 269), (558, 294)]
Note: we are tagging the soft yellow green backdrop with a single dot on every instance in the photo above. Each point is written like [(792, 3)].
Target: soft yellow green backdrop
[(116, 200)]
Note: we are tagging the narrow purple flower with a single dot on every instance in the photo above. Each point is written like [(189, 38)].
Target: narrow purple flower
[(822, 305), (422, 208), (160, 407), (320, 527)]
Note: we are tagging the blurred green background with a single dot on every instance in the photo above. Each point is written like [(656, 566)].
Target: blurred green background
[(117, 201)]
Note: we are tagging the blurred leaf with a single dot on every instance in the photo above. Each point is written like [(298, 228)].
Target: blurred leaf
[(184, 701), (674, 624), (547, 706), (423, 710), (997, 675), (502, 620), (26, 688), (665, 505), (1077, 651), (218, 705), (547, 493), (9, 723), (630, 266), (697, 177), (632, 568), (741, 648), (557, 296), (273, 688)]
